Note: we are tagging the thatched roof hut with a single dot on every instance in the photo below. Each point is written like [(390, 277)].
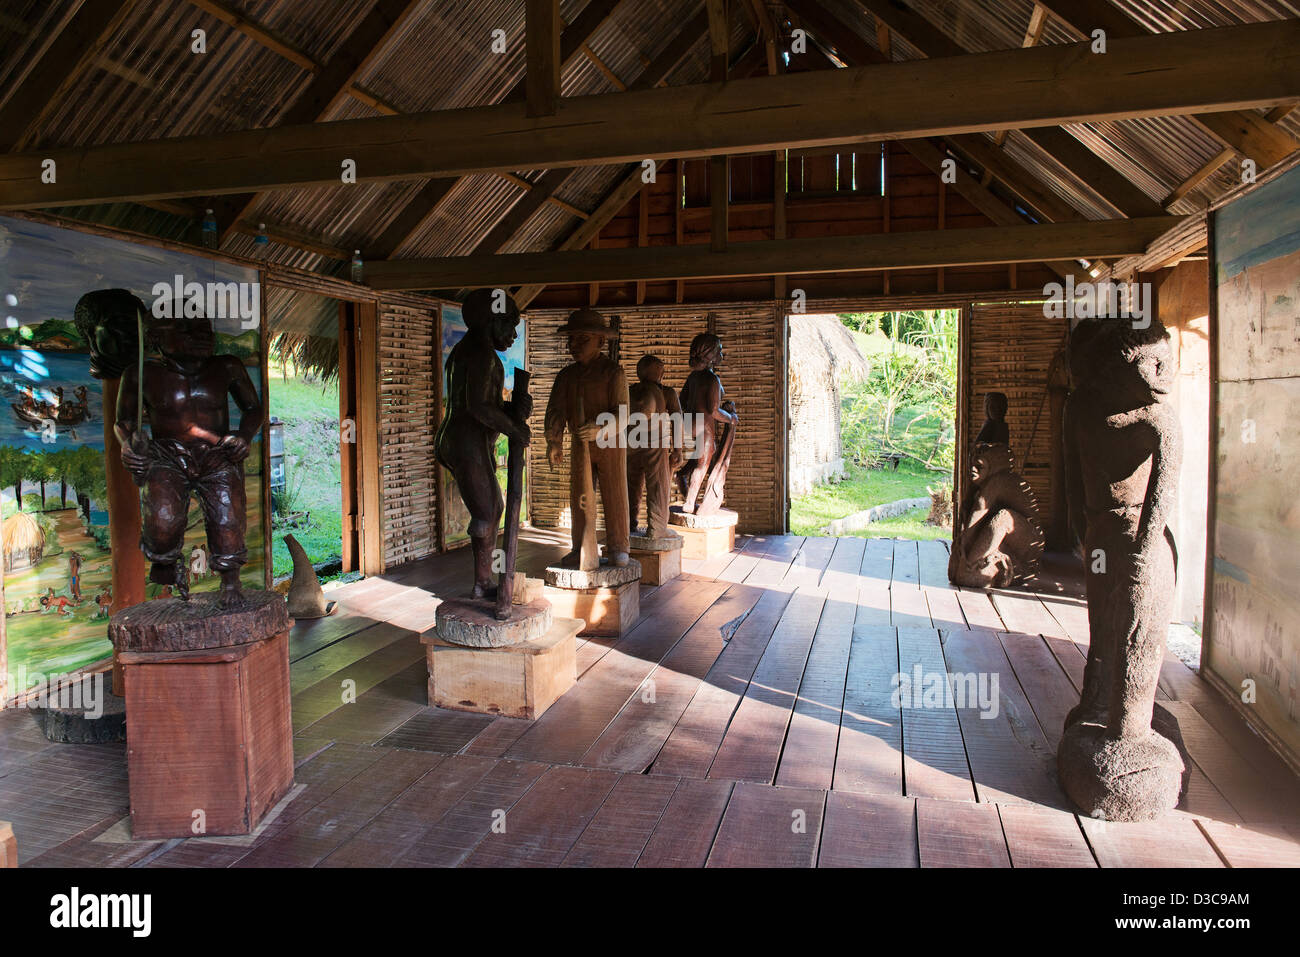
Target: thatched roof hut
[(823, 357), (23, 540)]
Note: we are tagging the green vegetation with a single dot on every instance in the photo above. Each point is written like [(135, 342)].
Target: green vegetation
[(860, 490), (905, 410), (309, 410)]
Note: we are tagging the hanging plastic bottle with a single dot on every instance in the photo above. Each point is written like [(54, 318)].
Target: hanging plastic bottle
[(260, 243), (210, 237), (357, 267)]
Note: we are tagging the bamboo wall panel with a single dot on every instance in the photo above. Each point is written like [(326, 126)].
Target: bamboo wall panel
[(409, 384), (749, 375), (1010, 349)]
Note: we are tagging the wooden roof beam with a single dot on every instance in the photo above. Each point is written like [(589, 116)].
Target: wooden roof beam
[(542, 56), (909, 250), (80, 43), (1248, 133), (1252, 64)]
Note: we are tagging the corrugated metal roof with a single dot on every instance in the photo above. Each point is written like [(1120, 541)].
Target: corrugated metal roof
[(149, 85)]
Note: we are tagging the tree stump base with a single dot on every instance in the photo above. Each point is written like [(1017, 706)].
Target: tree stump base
[(210, 739), (705, 536), (660, 558), (607, 612), (515, 681), (472, 623)]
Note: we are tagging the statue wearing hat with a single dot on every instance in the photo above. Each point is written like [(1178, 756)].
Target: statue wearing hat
[(591, 385), (476, 415)]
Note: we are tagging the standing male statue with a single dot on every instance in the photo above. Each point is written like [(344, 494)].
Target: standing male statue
[(591, 385), (476, 414), (1123, 448), (705, 474), (652, 455), (190, 450)]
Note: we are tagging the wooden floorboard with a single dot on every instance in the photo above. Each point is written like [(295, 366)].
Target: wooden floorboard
[(868, 830), (934, 757), (1044, 837), (958, 834), (548, 820), (1009, 756), (869, 756), (688, 827), (757, 691), (769, 827)]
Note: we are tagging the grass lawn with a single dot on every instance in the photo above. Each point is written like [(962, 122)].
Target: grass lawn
[(310, 413), (862, 489)]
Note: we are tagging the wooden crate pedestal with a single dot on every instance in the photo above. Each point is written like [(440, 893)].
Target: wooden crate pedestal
[(607, 598), (660, 558), (517, 681), (209, 730), (705, 536)]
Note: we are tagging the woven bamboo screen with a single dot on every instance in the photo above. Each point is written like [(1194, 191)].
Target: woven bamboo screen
[(1009, 349), (749, 373), (409, 386)]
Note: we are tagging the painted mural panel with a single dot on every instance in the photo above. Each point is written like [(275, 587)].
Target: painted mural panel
[(1253, 642), (57, 577), (455, 517)]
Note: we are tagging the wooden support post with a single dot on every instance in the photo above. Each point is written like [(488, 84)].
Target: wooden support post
[(943, 197), (884, 204), (679, 199), (718, 202), (348, 460), (542, 80), (642, 234), (779, 169), (368, 452)]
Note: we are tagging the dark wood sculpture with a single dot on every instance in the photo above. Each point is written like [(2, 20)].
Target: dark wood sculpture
[(652, 455), (1123, 450), (998, 539), (704, 474), (475, 415), (592, 385), (190, 449), (994, 431)]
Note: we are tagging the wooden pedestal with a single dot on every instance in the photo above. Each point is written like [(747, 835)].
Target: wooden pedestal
[(517, 681), (608, 612), (209, 733), (8, 846), (706, 542), (658, 567)]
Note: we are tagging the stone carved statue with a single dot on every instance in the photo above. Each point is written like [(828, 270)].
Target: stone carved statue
[(999, 540), (704, 475), (190, 450), (994, 431), (1123, 450), (475, 415), (652, 456), (592, 385)]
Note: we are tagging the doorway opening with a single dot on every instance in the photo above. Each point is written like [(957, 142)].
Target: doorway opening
[(306, 460), (873, 423)]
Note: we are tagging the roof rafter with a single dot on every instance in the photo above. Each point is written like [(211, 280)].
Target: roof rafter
[(78, 46), (1252, 64), (983, 245)]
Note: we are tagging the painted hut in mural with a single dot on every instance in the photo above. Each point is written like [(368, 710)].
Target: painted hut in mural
[(823, 360), (23, 540)]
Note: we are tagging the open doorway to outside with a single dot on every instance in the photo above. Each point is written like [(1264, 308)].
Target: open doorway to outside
[(873, 414), (306, 465)]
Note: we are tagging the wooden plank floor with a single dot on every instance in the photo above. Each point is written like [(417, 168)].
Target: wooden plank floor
[(748, 719)]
